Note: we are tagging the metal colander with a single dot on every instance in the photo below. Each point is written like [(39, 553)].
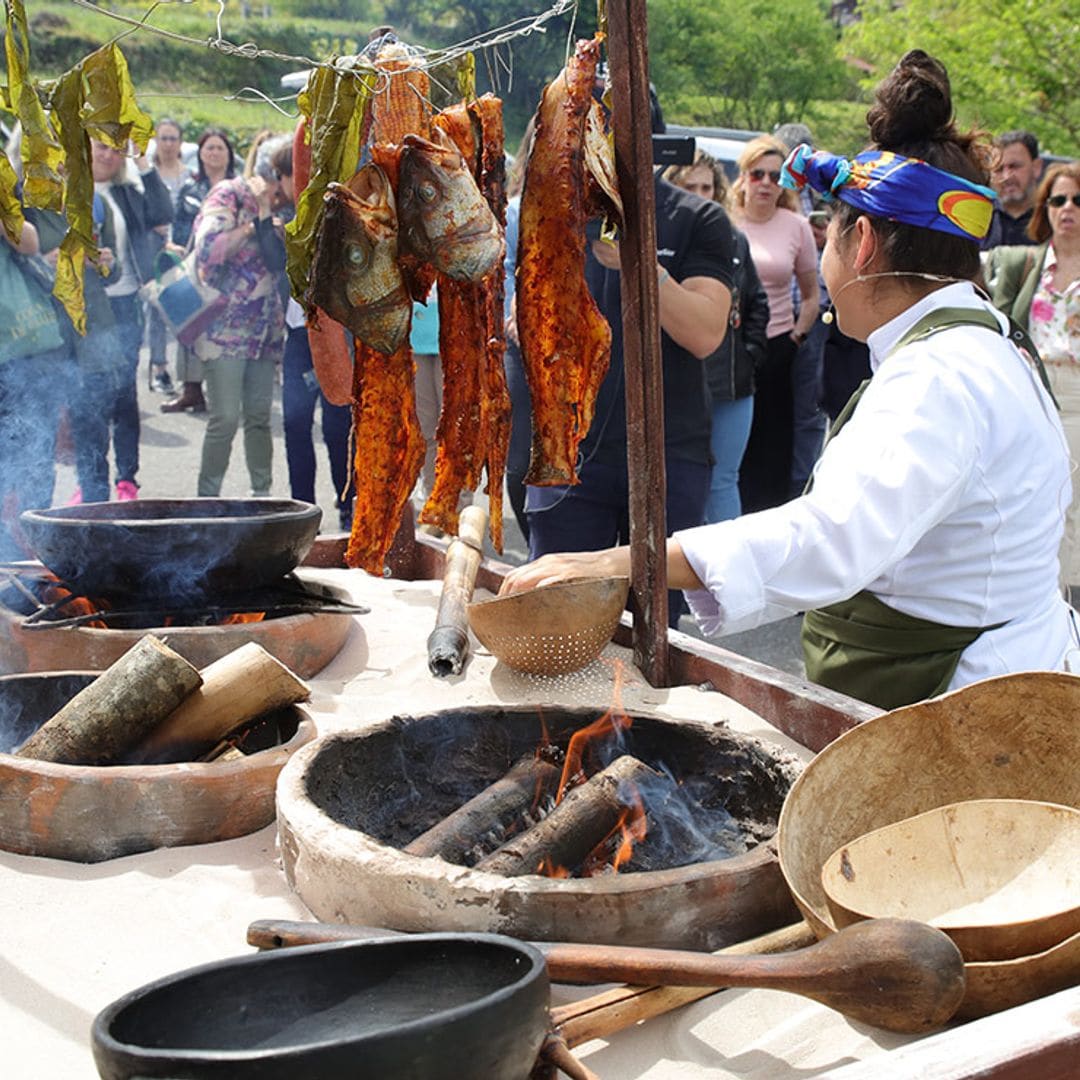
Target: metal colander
[(554, 629)]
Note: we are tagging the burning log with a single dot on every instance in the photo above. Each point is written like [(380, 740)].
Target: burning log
[(100, 724), (496, 807), (239, 687), (448, 643), (576, 826)]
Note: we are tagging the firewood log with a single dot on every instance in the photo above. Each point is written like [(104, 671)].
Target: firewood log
[(494, 808), (580, 822), (241, 686), (118, 709)]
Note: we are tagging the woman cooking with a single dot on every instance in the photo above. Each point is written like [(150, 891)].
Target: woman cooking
[(925, 552)]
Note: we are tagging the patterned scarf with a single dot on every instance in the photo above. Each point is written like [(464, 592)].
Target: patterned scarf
[(886, 185)]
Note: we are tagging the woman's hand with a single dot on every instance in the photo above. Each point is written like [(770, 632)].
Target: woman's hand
[(606, 253), (568, 566), (264, 194)]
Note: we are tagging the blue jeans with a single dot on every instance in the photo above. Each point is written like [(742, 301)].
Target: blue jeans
[(96, 387), (731, 422), (595, 514), (300, 394), (127, 313), (29, 416)]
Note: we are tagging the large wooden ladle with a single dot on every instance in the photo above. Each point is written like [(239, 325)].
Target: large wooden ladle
[(894, 974)]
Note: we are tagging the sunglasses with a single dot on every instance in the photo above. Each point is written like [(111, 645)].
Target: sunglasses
[(1058, 201), (757, 175)]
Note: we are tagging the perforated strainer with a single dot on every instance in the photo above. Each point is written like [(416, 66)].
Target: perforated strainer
[(553, 629)]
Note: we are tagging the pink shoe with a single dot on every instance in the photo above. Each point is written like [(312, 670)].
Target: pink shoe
[(126, 491), (76, 498)]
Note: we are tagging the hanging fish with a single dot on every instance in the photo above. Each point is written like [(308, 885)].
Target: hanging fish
[(355, 277), (444, 219)]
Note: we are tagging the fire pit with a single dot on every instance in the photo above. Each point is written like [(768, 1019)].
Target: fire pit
[(88, 813), (303, 624), (348, 804)]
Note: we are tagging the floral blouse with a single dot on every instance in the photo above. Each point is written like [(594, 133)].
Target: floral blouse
[(1054, 320), (253, 321)]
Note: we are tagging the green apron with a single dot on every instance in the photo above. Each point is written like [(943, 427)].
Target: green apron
[(861, 646)]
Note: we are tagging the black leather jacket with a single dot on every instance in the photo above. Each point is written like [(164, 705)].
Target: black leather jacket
[(730, 370), (143, 211)]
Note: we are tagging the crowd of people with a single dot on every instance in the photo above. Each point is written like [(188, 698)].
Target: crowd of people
[(755, 363), (150, 214)]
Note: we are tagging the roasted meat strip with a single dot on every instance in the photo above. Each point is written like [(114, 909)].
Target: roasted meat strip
[(388, 451), (565, 340)]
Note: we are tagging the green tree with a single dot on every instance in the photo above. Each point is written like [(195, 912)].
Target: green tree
[(1012, 63), (743, 63)]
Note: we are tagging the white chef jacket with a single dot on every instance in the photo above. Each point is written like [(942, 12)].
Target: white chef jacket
[(944, 495)]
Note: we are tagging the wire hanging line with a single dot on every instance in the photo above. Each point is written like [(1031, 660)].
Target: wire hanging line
[(422, 58)]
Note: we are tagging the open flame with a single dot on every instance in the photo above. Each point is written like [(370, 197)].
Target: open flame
[(242, 617), (582, 760), (70, 606), (67, 605)]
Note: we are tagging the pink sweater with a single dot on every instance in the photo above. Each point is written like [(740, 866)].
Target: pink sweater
[(781, 248)]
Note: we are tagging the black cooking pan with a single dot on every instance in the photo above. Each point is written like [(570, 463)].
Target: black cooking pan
[(430, 1007), (179, 548)]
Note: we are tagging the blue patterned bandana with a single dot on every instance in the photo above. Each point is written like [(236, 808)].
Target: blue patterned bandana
[(886, 185)]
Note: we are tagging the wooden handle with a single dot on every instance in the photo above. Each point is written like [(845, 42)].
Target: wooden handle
[(448, 643), (606, 1013), (895, 974)]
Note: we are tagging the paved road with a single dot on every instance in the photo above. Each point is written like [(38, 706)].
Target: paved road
[(171, 445)]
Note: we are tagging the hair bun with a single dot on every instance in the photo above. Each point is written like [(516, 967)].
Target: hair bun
[(914, 104)]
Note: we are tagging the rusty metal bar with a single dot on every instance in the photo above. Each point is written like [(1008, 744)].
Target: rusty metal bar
[(631, 119)]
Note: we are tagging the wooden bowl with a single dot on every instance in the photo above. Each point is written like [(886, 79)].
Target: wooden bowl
[(1012, 737), (1001, 877), (554, 629)]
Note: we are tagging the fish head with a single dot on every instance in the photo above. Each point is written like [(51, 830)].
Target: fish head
[(443, 217), (355, 275)]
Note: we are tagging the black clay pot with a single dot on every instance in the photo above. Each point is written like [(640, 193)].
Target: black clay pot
[(176, 548), (430, 1007)]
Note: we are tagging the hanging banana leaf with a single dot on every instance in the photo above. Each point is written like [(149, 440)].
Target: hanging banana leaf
[(79, 243), (335, 103), (109, 111), (11, 214), (41, 152)]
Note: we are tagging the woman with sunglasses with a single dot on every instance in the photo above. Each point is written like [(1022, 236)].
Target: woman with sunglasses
[(925, 551), (1040, 288), (783, 250)]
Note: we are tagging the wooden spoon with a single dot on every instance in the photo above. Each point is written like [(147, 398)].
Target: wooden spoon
[(894, 974)]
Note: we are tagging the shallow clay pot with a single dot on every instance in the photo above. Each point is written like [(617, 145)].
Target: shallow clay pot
[(88, 813)]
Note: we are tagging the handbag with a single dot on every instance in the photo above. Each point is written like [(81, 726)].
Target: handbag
[(28, 319), (184, 300)]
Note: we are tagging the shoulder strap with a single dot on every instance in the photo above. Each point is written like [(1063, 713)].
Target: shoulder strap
[(946, 318)]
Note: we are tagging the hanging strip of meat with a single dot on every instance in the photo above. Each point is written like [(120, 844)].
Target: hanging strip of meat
[(388, 452), (565, 340)]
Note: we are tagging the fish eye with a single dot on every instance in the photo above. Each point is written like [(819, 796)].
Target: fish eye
[(357, 255), (427, 191)]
